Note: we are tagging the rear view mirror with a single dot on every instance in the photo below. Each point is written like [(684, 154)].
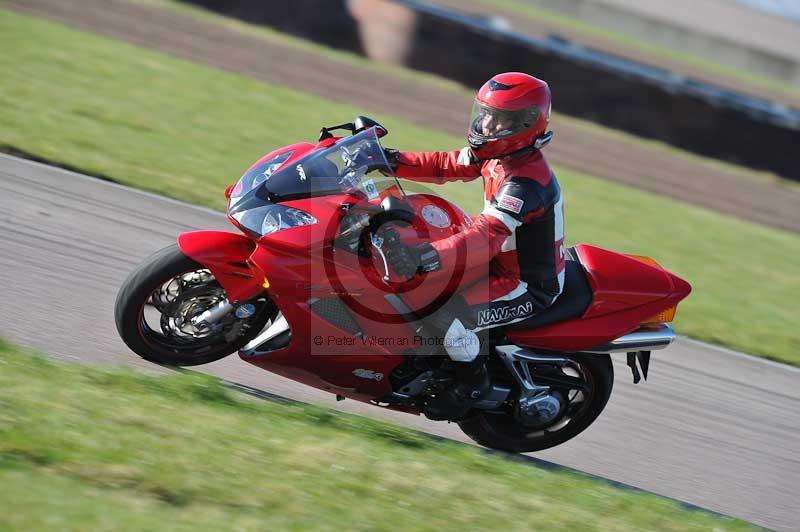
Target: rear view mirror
[(364, 122), (357, 126), (396, 209)]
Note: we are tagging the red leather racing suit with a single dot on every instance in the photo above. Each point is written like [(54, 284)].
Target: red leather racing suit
[(519, 233)]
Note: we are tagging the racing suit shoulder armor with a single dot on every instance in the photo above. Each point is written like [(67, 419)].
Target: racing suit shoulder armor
[(524, 198)]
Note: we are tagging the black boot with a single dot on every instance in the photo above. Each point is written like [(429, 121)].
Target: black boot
[(472, 385)]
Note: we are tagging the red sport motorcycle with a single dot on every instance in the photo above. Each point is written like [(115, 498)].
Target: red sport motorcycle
[(304, 291)]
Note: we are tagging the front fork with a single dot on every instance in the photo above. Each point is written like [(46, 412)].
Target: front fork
[(210, 317)]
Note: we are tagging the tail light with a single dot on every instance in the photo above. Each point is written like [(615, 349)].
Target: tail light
[(646, 260), (665, 316)]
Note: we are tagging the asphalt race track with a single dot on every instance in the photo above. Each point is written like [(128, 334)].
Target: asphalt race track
[(712, 428)]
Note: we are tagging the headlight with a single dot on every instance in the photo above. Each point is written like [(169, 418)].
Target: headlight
[(269, 219)]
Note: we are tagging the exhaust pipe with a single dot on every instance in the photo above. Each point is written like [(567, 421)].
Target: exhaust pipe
[(648, 338)]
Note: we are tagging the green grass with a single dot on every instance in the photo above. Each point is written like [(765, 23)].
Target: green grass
[(187, 131), (84, 448), (568, 23)]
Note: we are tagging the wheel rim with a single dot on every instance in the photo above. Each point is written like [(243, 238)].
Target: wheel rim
[(165, 317), (577, 402)]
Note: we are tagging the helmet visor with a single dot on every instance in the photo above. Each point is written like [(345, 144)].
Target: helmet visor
[(490, 123)]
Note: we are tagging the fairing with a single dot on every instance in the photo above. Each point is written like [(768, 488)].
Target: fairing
[(626, 292)]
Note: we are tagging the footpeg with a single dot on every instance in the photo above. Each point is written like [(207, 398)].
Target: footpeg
[(493, 399)]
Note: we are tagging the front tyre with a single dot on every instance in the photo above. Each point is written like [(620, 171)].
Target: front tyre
[(504, 431), (156, 304)]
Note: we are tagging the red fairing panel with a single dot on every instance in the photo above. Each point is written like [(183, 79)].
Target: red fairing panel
[(226, 256), (627, 292), (333, 365), (620, 282)]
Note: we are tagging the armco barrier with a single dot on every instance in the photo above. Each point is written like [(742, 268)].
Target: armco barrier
[(612, 91)]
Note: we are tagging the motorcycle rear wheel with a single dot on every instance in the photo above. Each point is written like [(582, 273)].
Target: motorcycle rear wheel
[(167, 288), (502, 431)]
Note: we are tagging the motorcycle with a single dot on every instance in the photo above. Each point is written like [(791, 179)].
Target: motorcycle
[(304, 290)]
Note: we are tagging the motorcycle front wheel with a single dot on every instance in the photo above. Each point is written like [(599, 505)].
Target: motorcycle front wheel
[(156, 305), (502, 430)]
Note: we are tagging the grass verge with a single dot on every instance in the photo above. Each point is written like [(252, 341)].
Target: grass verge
[(85, 448), (184, 130)]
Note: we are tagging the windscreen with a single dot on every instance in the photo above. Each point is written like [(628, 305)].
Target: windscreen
[(354, 165)]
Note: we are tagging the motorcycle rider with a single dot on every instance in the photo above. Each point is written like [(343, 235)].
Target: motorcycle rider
[(519, 234)]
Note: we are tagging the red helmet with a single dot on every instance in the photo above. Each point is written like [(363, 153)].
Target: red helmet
[(511, 112)]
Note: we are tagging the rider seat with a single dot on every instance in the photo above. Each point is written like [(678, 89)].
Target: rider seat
[(573, 301)]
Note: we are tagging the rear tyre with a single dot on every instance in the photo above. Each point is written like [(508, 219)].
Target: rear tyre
[(503, 431), (155, 305)]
